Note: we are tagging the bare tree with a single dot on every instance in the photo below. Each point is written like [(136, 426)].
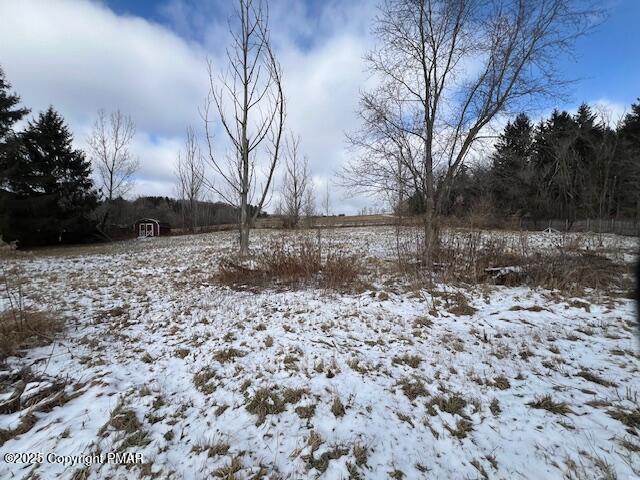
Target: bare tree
[(190, 177), (250, 106), (603, 180), (326, 200), (446, 70), (295, 182), (309, 208), (109, 144)]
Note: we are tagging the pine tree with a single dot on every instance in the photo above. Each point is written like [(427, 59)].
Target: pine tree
[(627, 193), (10, 113), (51, 191), (510, 179), (555, 166)]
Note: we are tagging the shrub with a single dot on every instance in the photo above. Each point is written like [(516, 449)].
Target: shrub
[(288, 263), (472, 258)]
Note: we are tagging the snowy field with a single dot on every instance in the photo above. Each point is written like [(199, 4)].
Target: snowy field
[(391, 382)]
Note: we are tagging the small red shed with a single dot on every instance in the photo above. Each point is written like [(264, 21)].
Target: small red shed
[(150, 227)]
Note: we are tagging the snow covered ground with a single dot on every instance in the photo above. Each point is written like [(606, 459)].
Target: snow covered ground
[(393, 382)]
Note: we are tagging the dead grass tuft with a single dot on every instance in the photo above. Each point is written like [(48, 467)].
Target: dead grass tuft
[(337, 408), (321, 463), (294, 395), (412, 388), (501, 382), (26, 423), (220, 448), (592, 377), (181, 352), (547, 403), (21, 328), (306, 412), (360, 454), (412, 361), (630, 418), (201, 381), (228, 354), (228, 471), (463, 427), (124, 420), (289, 263), (494, 406), (265, 402), (453, 404), (424, 322)]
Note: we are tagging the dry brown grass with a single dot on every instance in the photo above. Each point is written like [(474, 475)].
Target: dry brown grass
[(202, 381), (26, 423), (471, 258), (321, 463), (412, 388), (228, 471), (462, 429), (592, 377), (306, 412), (412, 361), (452, 404), (547, 403), (573, 273), (289, 263), (501, 382), (630, 418), (265, 402), (228, 354), (337, 408), (26, 328)]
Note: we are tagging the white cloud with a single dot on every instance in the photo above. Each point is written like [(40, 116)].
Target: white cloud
[(610, 112), (80, 56)]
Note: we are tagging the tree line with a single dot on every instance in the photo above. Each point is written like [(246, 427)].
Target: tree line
[(564, 167)]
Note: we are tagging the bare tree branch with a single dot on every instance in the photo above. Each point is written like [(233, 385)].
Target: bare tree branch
[(249, 102), (109, 149)]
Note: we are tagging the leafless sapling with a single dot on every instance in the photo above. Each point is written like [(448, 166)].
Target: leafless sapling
[(249, 101)]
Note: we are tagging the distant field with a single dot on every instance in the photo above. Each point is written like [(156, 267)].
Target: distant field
[(393, 379), (334, 221)]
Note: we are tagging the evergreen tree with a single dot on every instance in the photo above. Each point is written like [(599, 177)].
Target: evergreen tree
[(594, 147), (555, 167), (627, 167), (510, 180), (51, 193), (10, 113)]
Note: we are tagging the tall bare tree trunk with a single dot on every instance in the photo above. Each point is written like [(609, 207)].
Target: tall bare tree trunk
[(254, 122), (428, 110)]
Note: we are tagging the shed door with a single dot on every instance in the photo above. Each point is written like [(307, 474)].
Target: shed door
[(149, 229), (141, 230)]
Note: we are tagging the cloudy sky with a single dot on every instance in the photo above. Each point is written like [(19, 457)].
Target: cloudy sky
[(148, 58)]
